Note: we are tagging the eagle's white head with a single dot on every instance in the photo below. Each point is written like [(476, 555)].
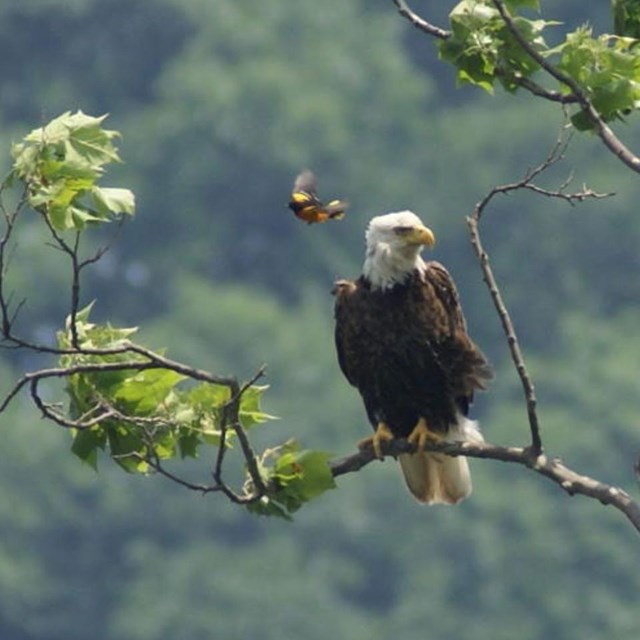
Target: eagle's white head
[(394, 242)]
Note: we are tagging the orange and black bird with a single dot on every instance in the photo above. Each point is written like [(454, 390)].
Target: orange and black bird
[(306, 204)]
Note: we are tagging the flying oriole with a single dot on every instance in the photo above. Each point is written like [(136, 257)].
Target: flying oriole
[(306, 204)]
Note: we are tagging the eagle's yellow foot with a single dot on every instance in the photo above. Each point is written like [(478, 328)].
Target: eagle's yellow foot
[(421, 434), (382, 434)]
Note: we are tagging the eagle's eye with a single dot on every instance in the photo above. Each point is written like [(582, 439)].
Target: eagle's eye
[(402, 230)]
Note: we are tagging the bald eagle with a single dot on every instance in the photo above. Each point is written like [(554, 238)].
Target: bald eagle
[(402, 341)]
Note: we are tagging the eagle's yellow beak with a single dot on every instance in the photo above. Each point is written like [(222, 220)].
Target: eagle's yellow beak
[(421, 235)]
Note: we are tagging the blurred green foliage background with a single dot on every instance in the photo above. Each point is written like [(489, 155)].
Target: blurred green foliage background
[(220, 103)]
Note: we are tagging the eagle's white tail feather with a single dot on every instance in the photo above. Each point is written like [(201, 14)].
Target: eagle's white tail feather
[(435, 478)]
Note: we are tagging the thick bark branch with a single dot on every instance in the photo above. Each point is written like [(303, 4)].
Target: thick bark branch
[(554, 469)]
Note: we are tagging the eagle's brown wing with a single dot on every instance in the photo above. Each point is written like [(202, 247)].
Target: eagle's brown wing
[(344, 291), (467, 369), (446, 291)]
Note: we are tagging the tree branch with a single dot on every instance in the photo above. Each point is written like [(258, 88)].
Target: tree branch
[(443, 34), (230, 414), (473, 222), (554, 469), (604, 132), (141, 359), (539, 91), (231, 420), (10, 218), (508, 328), (420, 23)]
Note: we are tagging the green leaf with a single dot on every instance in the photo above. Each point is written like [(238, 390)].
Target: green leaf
[(472, 15), (268, 506), (93, 336), (82, 137), (109, 200), (127, 449), (201, 410), (294, 476), (250, 413), (309, 472), (188, 443), (209, 397), (626, 18), (516, 4), (144, 393), (86, 443), (80, 217), (152, 417), (165, 444)]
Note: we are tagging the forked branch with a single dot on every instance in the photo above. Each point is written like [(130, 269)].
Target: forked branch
[(473, 221)]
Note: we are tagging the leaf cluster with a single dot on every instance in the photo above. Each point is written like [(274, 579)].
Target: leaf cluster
[(141, 411), (61, 163), (484, 50), (605, 68)]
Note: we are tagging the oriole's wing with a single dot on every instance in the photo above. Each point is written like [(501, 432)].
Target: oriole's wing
[(336, 208), (306, 183)]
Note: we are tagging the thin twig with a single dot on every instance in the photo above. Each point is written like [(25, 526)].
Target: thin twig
[(61, 418), (173, 365), (420, 23), (555, 155), (473, 221), (541, 92), (509, 330), (157, 466), (232, 413), (65, 372), (10, 218), (571, 198), (72, 252)]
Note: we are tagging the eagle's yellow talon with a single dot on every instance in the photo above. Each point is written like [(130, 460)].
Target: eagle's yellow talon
[(382, 434), (421, 434)]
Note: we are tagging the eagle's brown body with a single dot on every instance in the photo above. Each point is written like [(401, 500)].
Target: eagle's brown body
[(407, 351), (402, 341)]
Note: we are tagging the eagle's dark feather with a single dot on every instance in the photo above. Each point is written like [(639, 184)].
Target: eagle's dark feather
[(407, 351)]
